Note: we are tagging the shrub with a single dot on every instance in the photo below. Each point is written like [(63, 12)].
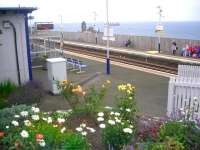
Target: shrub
[(71, 92), (30, 93), (38, 130), (6, 88), (186, 133), (116, 132), (169, 144), (7, 114)]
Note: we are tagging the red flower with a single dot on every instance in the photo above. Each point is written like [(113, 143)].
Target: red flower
[(2, 134), (39, 136)]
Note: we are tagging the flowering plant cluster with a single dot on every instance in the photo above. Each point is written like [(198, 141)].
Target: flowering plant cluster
[(41, 130), (71, 92), (126, 101), (116, 131)]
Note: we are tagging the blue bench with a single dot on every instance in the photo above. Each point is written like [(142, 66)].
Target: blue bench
[(76, 64)]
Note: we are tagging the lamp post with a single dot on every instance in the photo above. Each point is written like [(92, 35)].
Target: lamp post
[(159, 28), (107, 42), (95, 26), (61, 35)]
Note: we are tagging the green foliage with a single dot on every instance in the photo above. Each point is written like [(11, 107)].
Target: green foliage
[(54, 136), (184, 132), (115, 136), (126, 101), (169, 144), (6, 88), (7, 114), (68, 91), (93, 99)]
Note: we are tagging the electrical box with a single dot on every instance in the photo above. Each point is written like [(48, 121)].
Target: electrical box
[(57, 71)]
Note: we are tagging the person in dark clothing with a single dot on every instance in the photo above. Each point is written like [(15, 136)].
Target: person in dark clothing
[(128, 43)]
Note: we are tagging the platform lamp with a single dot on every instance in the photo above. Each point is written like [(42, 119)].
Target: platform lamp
[(159, 29), (61, 35), (107, 42)]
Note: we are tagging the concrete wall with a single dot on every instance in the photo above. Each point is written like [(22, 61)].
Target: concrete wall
[(138, 42), (8, 67)]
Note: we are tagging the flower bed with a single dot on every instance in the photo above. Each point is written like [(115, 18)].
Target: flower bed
[(90, 125)]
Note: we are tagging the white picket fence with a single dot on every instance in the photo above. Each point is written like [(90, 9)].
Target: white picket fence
[(189, 71), (182, 91)]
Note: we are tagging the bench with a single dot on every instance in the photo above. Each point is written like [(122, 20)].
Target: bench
[(76, 64)]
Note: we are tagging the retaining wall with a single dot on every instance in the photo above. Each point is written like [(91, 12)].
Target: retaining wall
[(138, 42)]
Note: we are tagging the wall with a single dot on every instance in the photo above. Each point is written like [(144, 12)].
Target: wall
[(138, 42), (8, 67)]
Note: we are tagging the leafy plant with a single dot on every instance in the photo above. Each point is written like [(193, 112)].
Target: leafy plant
[(6, 88), (126, 101), (169, 144), (186, 133), (30, 93), (7, 114)]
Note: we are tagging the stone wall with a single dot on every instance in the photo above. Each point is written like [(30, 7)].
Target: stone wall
[(138, 42)]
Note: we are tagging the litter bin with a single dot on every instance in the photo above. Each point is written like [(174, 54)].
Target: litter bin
[(57, 71)]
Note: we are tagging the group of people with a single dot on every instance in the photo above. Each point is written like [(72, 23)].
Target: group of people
[(187, 50)]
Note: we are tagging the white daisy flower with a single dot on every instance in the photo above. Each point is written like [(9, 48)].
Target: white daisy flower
[(102, 125), (24, 113), (24, 134), (100, 119), (7, 127), (83, 125), (79, 129), (15, 123), (112, 122), (112, 113), (117, 114), (42, 143), (128, 110), (100, 114), (63, 130), (49, 120), (128, 130), (61, 120), (35, 117), (27, 123), (17, 116), (91, 129), (84, 133)]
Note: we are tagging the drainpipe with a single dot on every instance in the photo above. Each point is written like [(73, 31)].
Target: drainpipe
[(6, 25), (28, 48)]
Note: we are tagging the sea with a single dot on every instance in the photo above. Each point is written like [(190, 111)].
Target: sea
[(179, 30)]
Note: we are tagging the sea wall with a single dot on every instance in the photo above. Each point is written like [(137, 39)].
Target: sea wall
[(137, 42)]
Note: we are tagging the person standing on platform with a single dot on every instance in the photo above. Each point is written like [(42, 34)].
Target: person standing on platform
[(174, 48)]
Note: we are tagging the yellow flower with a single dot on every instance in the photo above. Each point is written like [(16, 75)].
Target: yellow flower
[(103, 86), (128, 91), (108, 81), (128, 85)]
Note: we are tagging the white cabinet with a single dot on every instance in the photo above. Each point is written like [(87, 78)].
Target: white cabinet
[(57, 71)]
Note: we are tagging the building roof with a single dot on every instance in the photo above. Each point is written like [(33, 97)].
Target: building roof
[(17, 10)]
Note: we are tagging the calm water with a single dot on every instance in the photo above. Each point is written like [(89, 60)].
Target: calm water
[(181, 30)]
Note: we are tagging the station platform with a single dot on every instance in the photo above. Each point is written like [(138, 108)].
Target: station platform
[(165, 56)]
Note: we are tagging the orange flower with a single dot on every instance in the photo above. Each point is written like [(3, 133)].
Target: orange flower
[(64, 81), (2, 134), (39, 136)]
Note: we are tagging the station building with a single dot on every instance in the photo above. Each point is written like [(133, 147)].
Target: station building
[(15, 58)]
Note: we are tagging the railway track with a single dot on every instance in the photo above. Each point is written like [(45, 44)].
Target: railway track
[(149, 63), (124, 58)]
